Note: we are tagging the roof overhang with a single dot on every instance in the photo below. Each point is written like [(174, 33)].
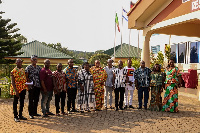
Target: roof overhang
[(178, 20), (179, 25), (144, 11)]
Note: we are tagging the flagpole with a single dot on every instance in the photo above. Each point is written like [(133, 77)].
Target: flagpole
[(138, 43), (115, 37), (129, 42), (170, 39), (121, 32)]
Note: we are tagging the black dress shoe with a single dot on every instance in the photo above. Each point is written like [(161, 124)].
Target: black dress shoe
[(31, 116), (22, 118), (45, 115), (82, 111), (16, 120), (74, 110), (130, 106), (57, 114), (98, 110), (125, 107), (36, 115), (116, 109), (121, 108), (139, 108), (69, 112), (111, 107), (64, 113), (49, 113), (145, 108)]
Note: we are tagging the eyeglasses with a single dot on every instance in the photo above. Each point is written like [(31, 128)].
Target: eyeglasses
[(34, 59)]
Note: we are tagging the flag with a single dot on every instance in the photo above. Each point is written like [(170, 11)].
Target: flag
[(131, 4), (117, 22), (125, 10), (124, 17)]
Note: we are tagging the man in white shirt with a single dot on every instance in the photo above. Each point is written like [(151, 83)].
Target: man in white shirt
[(130, 86)]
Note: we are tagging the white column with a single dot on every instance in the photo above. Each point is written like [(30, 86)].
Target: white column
[(146, 51)]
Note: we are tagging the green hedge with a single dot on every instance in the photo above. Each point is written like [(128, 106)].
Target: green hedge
[(5, 72), (6, 69)]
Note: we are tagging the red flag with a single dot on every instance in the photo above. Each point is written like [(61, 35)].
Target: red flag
[(131, 4)]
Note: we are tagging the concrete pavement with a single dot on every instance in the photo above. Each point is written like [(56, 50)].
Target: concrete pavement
[(130, 120)]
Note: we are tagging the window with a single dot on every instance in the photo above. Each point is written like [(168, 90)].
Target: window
[(199, 51), (181, 53), (194, 52), (173, 52)]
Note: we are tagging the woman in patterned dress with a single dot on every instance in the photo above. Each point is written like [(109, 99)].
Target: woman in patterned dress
[(157, 84), (172, 82), (99, 77)]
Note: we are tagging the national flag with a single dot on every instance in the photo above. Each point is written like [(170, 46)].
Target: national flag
[(131, 4), (125, 10), (124, 17), (117, 22)]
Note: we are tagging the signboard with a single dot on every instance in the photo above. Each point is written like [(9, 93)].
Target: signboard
[(183, 1), (195, 5)]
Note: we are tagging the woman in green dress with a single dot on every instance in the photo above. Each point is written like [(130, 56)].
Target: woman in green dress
[(172, 82), (157, 84)]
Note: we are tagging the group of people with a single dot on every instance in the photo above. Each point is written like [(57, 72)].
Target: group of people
[(94, 86)]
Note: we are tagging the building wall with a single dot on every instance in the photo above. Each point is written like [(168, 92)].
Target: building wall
[(122, 59), (155, 49), (175, 9)]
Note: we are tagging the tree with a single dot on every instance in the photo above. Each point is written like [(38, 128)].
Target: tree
[(44, 43), (167, 51), (160, 58), (9, 44), (152, 60), (77, 61), (22, 39), (99, 52), (101, 57), (136, 62)]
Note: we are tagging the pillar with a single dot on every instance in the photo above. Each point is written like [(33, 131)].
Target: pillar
[(146, 50)]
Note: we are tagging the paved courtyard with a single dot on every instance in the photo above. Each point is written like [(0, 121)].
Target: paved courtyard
[(130, 120)]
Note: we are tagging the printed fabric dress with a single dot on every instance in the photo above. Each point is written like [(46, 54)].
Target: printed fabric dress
[(99, 77), (86, 98), (156, 87), (170, 102)]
